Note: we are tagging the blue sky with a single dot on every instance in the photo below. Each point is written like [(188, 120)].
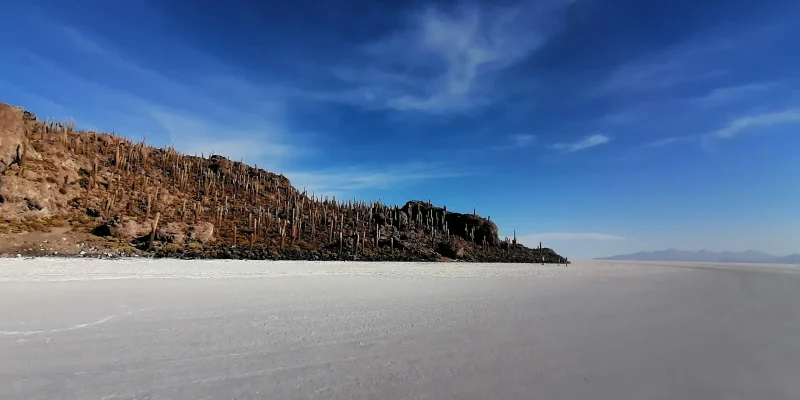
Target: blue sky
[(597, 127)]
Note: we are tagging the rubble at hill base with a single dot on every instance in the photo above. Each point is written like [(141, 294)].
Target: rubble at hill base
[(149, 201)]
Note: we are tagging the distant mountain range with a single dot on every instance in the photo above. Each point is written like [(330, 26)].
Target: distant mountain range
[(748, 256)]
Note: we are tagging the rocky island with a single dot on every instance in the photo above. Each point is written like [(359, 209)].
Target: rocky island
[(67, 192)]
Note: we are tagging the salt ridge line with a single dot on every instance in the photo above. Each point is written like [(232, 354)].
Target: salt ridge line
[(71, 328)]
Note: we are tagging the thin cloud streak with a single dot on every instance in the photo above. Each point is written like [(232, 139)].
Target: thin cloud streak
[(734, 128), (197, 119), (347, 180), (723, 95), (460, 51), (686, 63), (583, 144), (669, 141), (194, 122), (745, 123), (194, 135)]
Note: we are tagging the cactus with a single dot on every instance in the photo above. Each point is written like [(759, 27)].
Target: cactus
[(149, 202), (23, 158), (283, 232), (153, 231)]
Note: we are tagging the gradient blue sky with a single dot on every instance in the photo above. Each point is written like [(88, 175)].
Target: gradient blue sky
[(598, 127)]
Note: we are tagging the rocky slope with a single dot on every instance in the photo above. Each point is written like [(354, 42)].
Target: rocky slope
[(135, 199)]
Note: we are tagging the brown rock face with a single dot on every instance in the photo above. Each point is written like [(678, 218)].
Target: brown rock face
[(173, 232), (12, 135), (202, 232), (14, 124), (220, 164), (402, 218), (22, 197), (164, 197), (23, 192), (130, 230), (452, 249)]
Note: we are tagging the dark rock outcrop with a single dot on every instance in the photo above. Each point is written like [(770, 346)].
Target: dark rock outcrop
[(467, 226)]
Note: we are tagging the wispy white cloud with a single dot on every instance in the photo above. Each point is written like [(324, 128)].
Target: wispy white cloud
[(572, 236), (193, 116), (204, 94), (214, 112), (644, 76), (669, 141), (444, 60), (80, 41), (692, 61), (583, 144), (46, 108), (348, 180), (723, 95), (195, 135), (697, 59), (749, 122), (734, 128)]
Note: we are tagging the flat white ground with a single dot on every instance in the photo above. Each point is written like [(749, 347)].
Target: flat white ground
[(167, 329)]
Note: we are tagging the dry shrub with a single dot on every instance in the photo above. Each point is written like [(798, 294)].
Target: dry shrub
[(173, 247)]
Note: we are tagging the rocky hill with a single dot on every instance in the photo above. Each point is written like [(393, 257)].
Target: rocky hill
[(106, 194)]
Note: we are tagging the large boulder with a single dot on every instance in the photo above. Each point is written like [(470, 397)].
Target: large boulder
[(379, 218), (14, 122), (219, 164), (173, 232), (452, 249), (21, 197), (165, 198), (12, 135), (125, 230), (402, 220), (202, 232), (23, 191)]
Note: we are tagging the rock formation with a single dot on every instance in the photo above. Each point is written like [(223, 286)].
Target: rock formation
[(169, 204)]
